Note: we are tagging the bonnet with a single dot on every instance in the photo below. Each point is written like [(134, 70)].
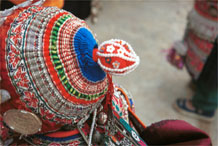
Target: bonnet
[(53, 66)]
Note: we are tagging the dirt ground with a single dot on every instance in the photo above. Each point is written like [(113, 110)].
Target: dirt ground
[(151, 27)]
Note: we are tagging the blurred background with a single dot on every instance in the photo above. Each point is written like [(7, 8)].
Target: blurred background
[(151, 27)]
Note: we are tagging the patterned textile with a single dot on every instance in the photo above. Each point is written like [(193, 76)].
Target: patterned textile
[(106, 133), (201, 32), (119, 103), (59, 78), (74, 139), (47, 67), (51, 3)]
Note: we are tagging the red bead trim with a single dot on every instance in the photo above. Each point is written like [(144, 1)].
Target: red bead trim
[(50, 66)]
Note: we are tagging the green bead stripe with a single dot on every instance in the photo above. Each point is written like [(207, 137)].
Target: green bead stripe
[(58, 65)]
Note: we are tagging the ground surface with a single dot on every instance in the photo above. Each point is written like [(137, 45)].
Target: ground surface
[(150, 27)]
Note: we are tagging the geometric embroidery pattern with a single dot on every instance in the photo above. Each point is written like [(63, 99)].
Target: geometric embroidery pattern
[(43, 66)]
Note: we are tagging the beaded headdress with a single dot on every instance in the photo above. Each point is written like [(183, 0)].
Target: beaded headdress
[(52, 65)]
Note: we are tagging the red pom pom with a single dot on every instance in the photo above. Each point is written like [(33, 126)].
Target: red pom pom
[(116, 57)]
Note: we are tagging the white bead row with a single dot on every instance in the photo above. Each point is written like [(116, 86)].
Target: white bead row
[(120, 56), (115, 42), (122, 71)]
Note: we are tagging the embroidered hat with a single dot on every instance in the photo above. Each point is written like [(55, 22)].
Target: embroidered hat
[(53, 67)]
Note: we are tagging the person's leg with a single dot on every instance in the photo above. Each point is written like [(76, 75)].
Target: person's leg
[(204, 103), (205, 97)]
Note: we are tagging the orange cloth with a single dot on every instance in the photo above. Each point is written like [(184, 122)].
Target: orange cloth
[(57, 3)]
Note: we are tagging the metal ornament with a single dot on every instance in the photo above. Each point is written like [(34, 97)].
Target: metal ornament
[(97, 138), (102, 118), (23, 122), (4, 96)]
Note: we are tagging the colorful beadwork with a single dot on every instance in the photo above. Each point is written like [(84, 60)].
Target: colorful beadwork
[(119, 104), (43, 48), (116, 57), (54, 69)]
